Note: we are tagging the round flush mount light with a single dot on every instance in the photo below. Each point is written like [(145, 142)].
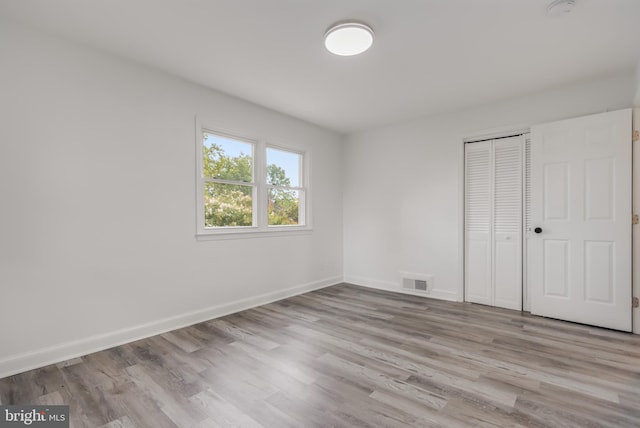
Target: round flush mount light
[(348, 38), (560, 7)]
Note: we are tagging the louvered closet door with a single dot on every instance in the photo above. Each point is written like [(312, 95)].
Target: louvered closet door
[(493, 222), (478, 213), (507, 223)]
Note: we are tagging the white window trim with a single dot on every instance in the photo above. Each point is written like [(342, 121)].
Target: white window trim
[(260, 228)]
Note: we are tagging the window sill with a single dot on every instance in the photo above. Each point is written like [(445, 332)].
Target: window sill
[(253, 233)]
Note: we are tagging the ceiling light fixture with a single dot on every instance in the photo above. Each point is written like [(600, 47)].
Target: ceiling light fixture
[(560, 7), (348, 38)]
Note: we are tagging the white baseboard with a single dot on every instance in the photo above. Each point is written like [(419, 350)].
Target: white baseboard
[(42, 357), (396, 288)]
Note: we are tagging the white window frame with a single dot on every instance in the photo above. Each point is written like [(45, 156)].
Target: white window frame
[(260, 227)]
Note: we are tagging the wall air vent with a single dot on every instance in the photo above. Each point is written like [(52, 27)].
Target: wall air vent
[(420, 284), (416, 282)]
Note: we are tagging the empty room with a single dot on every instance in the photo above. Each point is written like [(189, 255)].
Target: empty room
[(337, 213)]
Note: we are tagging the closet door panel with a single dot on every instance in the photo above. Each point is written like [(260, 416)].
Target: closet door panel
[(478, 269), (507, 222), (507, 277), (478, 213)]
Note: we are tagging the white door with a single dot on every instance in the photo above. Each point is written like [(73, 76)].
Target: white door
[(478, 224), (493, 222), (507, 222), (579, 253)]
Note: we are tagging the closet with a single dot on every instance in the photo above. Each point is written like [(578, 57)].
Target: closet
[(564, 190), (494, 221)]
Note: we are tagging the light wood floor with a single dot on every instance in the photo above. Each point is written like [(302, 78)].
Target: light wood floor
[(348, 356)]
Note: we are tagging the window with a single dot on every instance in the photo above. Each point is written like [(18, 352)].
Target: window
[(247, 186), (286, 196), (229, 188)]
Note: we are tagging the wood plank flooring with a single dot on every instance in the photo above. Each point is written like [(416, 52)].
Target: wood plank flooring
[(348, 356)]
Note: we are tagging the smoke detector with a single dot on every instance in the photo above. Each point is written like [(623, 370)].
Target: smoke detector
[(560, 7)]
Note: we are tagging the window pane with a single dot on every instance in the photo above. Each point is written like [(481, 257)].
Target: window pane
[(227, 205), (226, 158), (284, 207), (283, 168)]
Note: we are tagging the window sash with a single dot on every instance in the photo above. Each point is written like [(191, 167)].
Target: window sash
[(300, 189), (239, 210), (300, 197)]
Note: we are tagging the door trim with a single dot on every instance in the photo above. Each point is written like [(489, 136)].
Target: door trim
[(635, 238)]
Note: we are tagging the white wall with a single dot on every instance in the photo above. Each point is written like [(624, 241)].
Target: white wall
[(402, 195), (636, 99), (97, 222)]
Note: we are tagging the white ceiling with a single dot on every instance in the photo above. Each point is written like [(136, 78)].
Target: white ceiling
[(429, 56)]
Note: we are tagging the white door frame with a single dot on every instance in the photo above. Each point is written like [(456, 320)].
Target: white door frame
[(635, 189)]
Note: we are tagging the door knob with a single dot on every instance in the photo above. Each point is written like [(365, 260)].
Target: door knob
[(538, 230)]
